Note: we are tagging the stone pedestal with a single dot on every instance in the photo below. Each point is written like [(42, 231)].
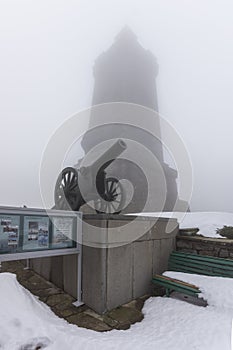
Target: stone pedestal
[(118, 261)]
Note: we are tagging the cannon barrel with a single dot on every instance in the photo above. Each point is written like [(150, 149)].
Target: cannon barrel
[(74, 189), (106, 158)]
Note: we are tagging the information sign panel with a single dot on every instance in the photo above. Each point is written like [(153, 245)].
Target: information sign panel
[(9, 233), (27, 233)]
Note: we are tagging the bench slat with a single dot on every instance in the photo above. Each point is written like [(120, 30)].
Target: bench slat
[(200, 263), (220, 261), (187, 269), (193, 263), (190, 269), (174, 280), (176, 286)]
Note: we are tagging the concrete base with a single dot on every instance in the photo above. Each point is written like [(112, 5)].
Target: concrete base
[(120, 256)]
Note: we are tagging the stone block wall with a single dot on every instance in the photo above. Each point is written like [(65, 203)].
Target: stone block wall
[(217, 247)]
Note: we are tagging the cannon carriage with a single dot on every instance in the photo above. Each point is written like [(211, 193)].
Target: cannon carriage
[(77, 186)]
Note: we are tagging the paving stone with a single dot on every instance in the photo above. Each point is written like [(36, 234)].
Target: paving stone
[(43, 299), (93, 314), (47, 292), (64, 313), (131, 304), (66, 304), (110, 322), (125, 316), (86, 321), (61, 303), (60, 299), (140, 302), (25, 274), (10, 266), (37, 282), (137, 303), (33, 287), (27, 285)]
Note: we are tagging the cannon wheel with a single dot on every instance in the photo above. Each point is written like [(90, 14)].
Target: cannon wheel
[(67, 195), (114, 198)]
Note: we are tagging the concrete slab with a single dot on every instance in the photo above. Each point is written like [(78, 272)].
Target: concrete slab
[(159, 230), (70, 274), (166, 247), (142, 268), (41, 266), (94, 278), (119, 273), (56, 273), (156, 253)]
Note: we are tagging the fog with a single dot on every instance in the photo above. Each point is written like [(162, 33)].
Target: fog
[(48, 50)]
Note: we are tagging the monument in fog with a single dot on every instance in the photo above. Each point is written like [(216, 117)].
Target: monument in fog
[(127, 72)]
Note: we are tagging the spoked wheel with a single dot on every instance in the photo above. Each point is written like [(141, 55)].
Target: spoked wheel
[(67, 195), (113, 198)]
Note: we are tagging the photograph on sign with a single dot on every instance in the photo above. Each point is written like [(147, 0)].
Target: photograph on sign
[(62, 236), (9, 233), (36, 233)]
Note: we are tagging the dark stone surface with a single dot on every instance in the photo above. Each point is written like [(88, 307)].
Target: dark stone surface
[(62, 303), (224, 253), (125, 316), (217, 247), (184, 244), (86, 321)]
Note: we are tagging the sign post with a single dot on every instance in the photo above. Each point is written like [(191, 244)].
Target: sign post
[(27, 233)]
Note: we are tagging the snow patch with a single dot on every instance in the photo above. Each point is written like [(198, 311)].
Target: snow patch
[(207, 222), (168, 324)]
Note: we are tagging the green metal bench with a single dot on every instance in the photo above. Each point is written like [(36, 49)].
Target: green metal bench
[(194, 264)]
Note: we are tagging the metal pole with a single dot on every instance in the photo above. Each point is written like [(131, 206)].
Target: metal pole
[(27, 267), (79, 263)]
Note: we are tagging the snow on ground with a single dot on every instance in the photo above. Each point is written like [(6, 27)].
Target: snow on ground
[(168, 323), (207, 222)]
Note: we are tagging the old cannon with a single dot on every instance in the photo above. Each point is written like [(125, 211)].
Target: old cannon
[(77, 186)]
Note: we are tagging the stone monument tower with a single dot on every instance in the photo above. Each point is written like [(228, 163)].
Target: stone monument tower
[(127, 72)]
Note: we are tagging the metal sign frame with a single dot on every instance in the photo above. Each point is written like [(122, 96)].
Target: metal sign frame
[(49, 252)]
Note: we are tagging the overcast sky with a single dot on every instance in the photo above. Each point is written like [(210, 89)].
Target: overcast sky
[(48, 49)]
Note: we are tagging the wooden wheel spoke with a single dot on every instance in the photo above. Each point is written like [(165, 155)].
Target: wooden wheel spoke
[(116, 201), (66, 195), (73, 187), (64, 179), (113, 206), (113, 198), (109, 207), (114, 192), (111, 186), (72, 180)]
